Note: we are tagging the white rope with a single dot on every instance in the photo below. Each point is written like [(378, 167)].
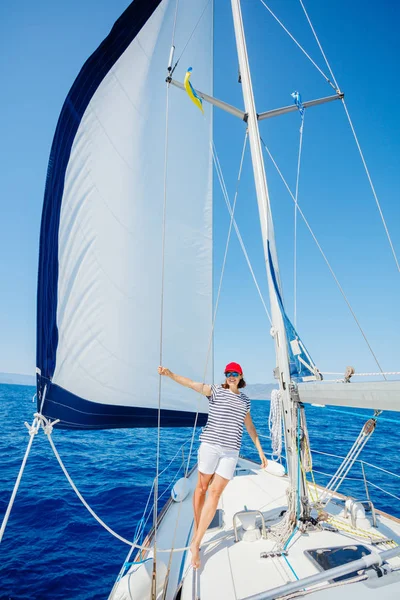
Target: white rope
[(343, 470), (356, 140), (347, 461), (299, 46), (275, 424), (33, 430), (242, 245), (327, 262), (280, 532), (47, 428)]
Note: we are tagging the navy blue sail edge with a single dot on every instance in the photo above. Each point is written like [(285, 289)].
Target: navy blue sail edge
[(59, 403), (77, 413)]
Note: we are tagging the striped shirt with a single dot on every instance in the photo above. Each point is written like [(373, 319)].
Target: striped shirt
[(226, 415)]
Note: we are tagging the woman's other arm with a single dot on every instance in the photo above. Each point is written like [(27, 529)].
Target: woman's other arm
[(201, 388)]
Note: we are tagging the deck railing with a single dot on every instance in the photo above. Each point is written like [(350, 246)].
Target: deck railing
[(364, 465)]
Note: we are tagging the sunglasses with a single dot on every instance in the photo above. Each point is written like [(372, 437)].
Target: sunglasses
[(232, 374)]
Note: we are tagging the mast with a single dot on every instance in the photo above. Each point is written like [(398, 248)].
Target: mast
[(278, 329)]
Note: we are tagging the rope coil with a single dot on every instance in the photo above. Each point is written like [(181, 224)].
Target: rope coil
[(275, 424)]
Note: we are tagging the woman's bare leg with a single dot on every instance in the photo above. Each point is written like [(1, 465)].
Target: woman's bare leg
[(206, 516), (199, 496)]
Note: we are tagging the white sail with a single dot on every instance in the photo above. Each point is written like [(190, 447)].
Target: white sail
[(110, 233)]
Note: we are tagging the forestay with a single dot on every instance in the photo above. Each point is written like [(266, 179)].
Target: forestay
[(101, 252)]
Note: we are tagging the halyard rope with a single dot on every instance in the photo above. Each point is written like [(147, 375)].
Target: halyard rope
[(275, 424)]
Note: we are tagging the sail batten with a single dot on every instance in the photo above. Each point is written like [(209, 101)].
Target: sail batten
[(100, 266)]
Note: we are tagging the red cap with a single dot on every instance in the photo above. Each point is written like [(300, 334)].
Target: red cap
[(234, 367)]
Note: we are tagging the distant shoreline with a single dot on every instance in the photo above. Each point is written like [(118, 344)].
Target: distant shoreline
[(17, 379)]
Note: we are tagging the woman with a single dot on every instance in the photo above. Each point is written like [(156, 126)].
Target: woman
[(220, 439)]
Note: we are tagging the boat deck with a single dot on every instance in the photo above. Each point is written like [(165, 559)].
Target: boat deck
[(234, 570)]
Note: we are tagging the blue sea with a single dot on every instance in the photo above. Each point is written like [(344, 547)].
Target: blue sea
[(54, 549)]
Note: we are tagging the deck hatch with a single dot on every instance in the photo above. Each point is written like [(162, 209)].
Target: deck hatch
[(328, 558)]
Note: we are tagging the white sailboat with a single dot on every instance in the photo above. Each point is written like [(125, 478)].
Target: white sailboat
[(126, 263)]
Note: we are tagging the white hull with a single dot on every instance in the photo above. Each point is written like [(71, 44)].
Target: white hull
[(233, 570)]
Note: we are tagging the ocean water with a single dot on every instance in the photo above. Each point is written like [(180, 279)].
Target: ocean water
[(54, 549)]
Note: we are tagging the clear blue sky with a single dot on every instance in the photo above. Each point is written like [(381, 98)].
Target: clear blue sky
[(43, 46)]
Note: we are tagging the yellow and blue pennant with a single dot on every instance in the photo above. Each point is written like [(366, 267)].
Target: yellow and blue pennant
[(191, 91)]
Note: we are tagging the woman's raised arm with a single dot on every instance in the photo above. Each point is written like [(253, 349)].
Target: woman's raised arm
[(201, 388)]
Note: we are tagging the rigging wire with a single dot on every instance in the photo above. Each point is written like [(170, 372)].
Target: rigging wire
[(226, 197), (355, 138), (153, 593), (327, 262), (161, 337), (295, 219), (371, 185), (319, 46), (218, 293), (143, 522), (301, 47), (190, 37), (336, 87)]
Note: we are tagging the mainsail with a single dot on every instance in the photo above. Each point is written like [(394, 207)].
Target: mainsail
[(100, 294)]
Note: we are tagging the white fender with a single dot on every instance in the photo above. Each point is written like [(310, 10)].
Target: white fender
[(275, 468), (136, 584)]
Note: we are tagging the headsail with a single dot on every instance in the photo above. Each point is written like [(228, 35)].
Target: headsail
[(100, 264)]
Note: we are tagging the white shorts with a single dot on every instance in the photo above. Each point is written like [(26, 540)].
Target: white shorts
[(217, 459)]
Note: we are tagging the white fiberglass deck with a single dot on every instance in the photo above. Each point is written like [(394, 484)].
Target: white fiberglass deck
[(233, 570)]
